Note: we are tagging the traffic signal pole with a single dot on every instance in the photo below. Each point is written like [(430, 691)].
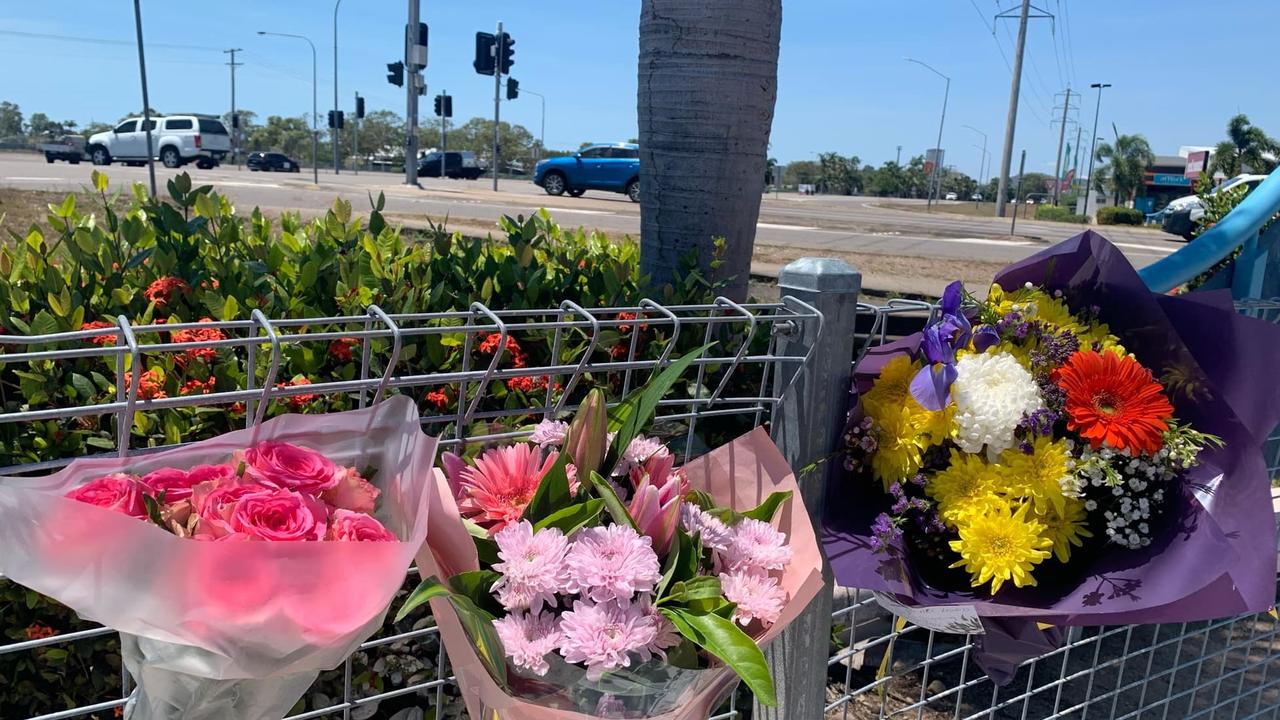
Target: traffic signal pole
[(497, 99), (355, 139), (411, 104)]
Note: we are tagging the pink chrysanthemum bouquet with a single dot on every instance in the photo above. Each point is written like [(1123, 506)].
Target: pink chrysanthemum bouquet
[(590, 574), (236, 568)]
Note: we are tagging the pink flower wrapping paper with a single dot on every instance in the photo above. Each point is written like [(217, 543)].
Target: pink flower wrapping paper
[(740, 474), (226, 629)]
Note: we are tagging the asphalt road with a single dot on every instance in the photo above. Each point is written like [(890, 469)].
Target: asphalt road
[(807, 224)]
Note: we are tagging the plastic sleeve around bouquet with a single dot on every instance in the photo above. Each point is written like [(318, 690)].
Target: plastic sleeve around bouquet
[(226, 629), (1217, 558), (740, 475)]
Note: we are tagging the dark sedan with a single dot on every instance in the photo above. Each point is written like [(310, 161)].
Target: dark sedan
[(272, 161)]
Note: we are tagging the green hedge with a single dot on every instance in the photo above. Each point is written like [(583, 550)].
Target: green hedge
[(1058, 214), (190, 256), (1112, 215)]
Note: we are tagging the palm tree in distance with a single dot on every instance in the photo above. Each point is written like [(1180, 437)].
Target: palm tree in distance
[(1246, 147), (1129, 159), (708, 80)]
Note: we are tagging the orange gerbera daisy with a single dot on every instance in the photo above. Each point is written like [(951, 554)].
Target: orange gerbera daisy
[(1113, 400)]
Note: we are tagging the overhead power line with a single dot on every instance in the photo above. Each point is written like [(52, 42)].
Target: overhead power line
[(102, 41)]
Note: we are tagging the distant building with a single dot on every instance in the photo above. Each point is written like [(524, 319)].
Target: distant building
[(1165, 180)]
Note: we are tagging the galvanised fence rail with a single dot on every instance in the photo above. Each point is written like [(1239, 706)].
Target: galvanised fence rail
[(784, 364)]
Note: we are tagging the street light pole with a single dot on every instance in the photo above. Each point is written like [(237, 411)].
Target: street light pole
[(335, 133), (982, 165), (542, 137), (315, 132), (235, 125), (1088, 185), (937, 160)]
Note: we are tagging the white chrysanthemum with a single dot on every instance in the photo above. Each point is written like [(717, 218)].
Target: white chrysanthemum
[(991, 393)]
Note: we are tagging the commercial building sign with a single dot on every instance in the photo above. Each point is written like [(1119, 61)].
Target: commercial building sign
[(1196, 164), (933, 157), (1170, 179)]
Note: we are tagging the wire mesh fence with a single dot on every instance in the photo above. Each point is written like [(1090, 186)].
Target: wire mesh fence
[(879, 666)]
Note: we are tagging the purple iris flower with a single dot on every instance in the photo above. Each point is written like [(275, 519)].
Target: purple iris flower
[(931, 387)]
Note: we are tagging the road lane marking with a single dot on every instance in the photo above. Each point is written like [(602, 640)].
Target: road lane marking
[(773, 226), (21, 178), (978, 241), (582, 212), (241, 183), (1154, 248)]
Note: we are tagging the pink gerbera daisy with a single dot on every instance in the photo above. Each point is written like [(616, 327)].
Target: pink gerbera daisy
[(614, 562), (528, 638), (532, 566), (756, 546), (757, 596), (495, 491), (604, 636)]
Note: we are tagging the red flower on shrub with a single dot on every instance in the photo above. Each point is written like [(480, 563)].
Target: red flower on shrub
[(528, 384), (626, 327), (197, 387), (150, 387), (438, 399), (40, 631), (489, 345), (297, 402), (237, 408), (100, 340), (163, 290), (201, 335), (340, 349), (619, 351)]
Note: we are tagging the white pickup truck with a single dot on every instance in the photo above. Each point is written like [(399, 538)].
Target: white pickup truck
[(67, 147), (175, 139)]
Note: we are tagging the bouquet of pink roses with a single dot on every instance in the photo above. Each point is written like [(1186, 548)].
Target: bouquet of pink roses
[(592, 575), (236, 568)]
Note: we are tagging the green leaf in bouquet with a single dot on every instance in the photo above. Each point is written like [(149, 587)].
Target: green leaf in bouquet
[(701, 498), (477, 622), (767, 509), (725, 640), (682, 561), (552, 494), (475, 585), (571, 519), (700, 594), (636, 410), (612, 502)]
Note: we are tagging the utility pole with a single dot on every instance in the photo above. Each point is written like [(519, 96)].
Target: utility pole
[(444, 134), (1088, 185), (235, 121), (1022, 166), (1076, 165), (542, 133), (336, 133), (146, 102), (1011, 122), (898, 160), (1062, 134), (412, 78), (497, 98)]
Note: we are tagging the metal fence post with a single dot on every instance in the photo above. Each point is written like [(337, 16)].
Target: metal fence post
[(807, 428)]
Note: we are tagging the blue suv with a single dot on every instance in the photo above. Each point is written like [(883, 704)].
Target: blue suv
[(596, 167)]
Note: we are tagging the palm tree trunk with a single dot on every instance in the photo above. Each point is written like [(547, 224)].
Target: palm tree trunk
[(708, 77)]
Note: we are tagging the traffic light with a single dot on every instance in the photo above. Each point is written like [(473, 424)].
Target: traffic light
[(439, 105), (420, 58), (330, 119), (336, 119), (448, 106), (235, 121), (513, 88), (359, 107), (484, 53), (508, 52), (395, 73), (342, 120)]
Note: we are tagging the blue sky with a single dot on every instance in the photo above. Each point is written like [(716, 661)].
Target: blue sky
[(1179, 68)]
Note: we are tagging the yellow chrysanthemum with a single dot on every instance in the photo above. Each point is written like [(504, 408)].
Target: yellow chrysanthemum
[(899, 445), (966, 488), (893, 387), (1037, 477), (1001, 546), (1066, 529)]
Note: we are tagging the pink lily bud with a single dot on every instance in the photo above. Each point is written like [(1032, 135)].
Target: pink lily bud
[(655, 505), (588, 438)]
